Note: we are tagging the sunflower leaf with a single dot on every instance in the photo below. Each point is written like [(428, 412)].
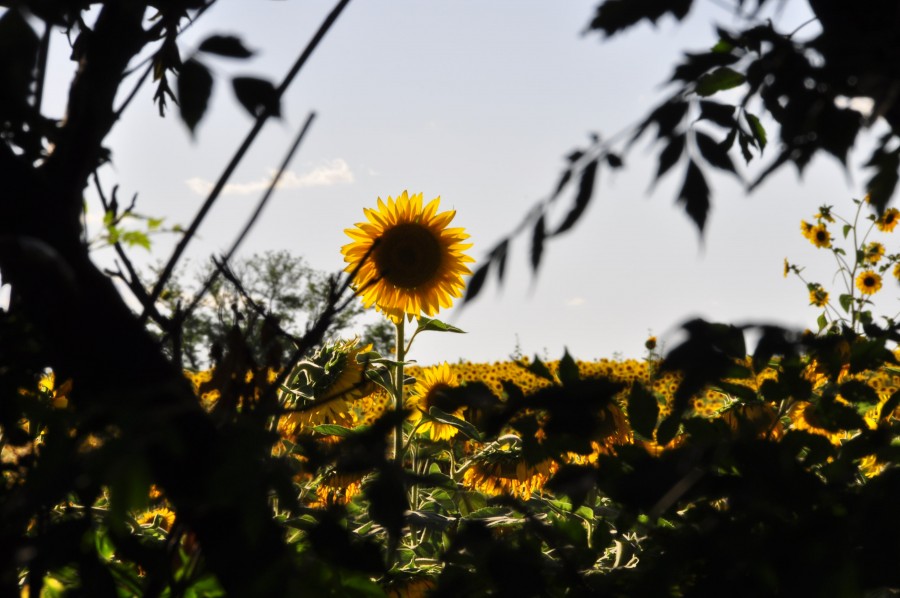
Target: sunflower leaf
[(458, 423), (643, 410), (333, 430), (429, 324)]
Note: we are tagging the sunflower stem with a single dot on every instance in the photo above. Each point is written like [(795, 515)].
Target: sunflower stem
[(400, 351)]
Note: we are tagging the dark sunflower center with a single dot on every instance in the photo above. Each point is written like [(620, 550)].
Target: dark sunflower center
[(821, 236), (408, 255), (869, 281)]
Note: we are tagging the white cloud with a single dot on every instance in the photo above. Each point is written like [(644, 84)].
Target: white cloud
[(333, 172)]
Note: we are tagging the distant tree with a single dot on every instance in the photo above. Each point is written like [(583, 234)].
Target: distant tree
[(272, 284)]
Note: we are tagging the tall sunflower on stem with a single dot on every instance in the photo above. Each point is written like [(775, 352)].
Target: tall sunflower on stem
[(409, 263)]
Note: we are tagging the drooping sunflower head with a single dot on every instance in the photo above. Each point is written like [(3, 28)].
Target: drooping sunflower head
[(323, 389), (873, 252), (406, 259), (818, 296), (888, 220), (426, 394)]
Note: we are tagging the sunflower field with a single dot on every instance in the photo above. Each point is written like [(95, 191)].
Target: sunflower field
[(707, 470)]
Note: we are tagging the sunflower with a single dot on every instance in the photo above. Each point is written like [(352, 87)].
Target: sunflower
[(323, 389), (888, 220), (508, 472), (806, 228), (873, 252), (425, 395), (818, 296), (405, 259), (868, 282), (819, 236), (787, 267), (897, 270), (162, 518)]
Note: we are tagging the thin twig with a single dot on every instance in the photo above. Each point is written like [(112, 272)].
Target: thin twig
[(211, 279), (242, 150)]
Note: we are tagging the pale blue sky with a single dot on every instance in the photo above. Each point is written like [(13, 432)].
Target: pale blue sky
[(478, 102)]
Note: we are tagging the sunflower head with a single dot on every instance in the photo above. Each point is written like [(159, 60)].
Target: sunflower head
[(818, 296), (888, 220), (819, 236), (873, 252), (323, 389), (426, 394), (405, 259), (868, 282)]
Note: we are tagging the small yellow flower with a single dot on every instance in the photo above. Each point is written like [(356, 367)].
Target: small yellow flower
[(897, 270), (888, 220), (873, 252), (818, 297), (868, 282), (819, 236), (787, 267), (806, 228)]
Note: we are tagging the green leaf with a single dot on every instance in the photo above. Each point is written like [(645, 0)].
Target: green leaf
[(333, 430), (759, 132), (432, 324), (846, 230), (721, 79), (822, 321), (846, 301), (458, 423), (722, 47), (154, 223), (643, 410), (136, 237)]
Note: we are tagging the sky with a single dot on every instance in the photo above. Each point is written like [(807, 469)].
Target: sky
[(478, 103)]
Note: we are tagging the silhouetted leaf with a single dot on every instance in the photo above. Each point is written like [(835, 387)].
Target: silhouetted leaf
[(882, 184), (670, 155), (643, 410), (194, 88), (18, 52), (476, 282), (564, 179), (568, 369), (615, 15), (225, 45), (537, 242), (585, 192), (614, 160), (721, 79), (695, 195), (757, 129), (458, 423), (857, 391), (387, 499), (721, 114), (498, 255), (257, 96), (714, 153)]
